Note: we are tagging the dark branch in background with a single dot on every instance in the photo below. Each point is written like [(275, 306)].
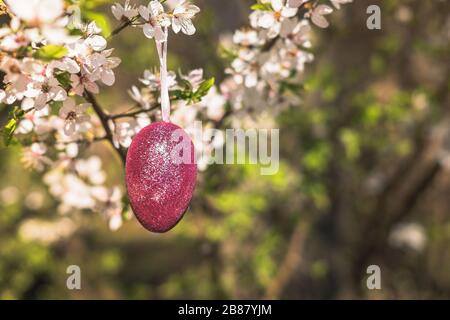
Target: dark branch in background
[(104, 119), (390, 209), (291, 262)]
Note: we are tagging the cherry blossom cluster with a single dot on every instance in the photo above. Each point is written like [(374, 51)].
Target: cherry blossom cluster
[(153, 19), (53, 69), (45, 66), (47, 69), (268, 58)]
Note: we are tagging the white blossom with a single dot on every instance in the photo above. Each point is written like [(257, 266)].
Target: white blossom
[(156, 19), (74, 116), (182, 17), (45, 18), (125, 131), (153, 80), (317, 16), (411, 235), (110, 204), (12, 37), (139, 97), (45, 91), (32, 120), (214, 102), (91, 170), (272, 20), (34, 156), (247, 38), (194, 77), (128, 11), (37, 12), (85, 82)]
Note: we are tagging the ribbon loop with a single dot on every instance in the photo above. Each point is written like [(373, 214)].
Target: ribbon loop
[(161, 47)]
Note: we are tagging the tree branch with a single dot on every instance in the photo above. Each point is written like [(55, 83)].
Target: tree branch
[(104, 119), (132, 114), (290, 263), (120, 28)]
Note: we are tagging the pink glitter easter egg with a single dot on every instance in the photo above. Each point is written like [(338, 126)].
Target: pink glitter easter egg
[(161, 175)]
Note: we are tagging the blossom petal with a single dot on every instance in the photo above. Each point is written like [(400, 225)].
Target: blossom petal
[(176, 25), (58, 94), (319, 21), (295, 3), (117, 11), (289, 12), (188, 27), (96, 42), (144, 12), (91, 87), (113, 62), (155, 8), (323, 9), (70, 127), (149, 31), (71, 66), (266, 20), (108, 77), (277, 5), (40, 101), (160, 35)]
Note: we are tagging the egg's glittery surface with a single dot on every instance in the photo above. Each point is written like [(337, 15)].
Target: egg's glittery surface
[(159, 189)]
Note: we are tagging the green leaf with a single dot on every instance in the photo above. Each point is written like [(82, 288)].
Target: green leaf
[(126, 212), (8, 131), (51, 52), (185, 83), (182, 94), (92, 4), (64, 79), (291, 87), (204, 88), (351, 141), (227, 54), (188, 95), (262, 7)]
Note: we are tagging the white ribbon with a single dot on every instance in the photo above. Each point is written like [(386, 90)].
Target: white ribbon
[(161, 47)]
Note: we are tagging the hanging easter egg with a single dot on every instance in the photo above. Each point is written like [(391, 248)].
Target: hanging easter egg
[(161, 175)]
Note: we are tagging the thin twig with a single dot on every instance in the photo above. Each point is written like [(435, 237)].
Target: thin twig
[(120, 28), (132, 114), (80, 141)]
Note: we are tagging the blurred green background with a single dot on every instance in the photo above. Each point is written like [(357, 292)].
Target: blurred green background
[(364, 180)]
